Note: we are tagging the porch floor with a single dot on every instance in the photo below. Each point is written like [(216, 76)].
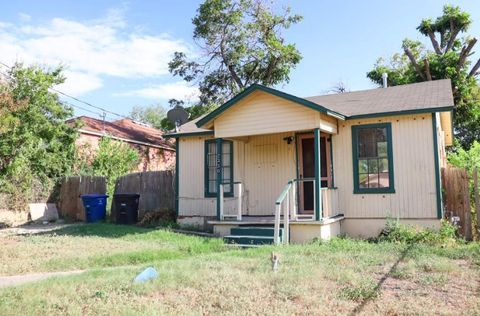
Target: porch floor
[(270, 220)]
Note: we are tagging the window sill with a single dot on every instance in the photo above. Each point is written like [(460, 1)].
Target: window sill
[(214, 195), (374, 191)]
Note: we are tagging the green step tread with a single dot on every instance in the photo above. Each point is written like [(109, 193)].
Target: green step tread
[(248, 240), (254, 231)]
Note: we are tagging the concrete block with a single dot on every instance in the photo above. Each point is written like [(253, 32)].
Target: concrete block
[(43, 212)]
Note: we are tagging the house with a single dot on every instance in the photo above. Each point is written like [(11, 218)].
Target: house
[(156, 152), (315, 167)]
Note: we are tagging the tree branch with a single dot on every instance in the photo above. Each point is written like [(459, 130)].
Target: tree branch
[(270, 68), (435, 43), (427, 69), (414, 62), (453, 35), (465, 53), (474, 70)]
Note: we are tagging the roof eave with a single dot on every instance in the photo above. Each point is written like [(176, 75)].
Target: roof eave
[(176, 135), (403, 112)]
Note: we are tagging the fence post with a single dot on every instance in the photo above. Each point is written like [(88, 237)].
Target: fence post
[(477, 199)]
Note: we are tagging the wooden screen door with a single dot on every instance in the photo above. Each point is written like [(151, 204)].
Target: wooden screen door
[(306, 169)]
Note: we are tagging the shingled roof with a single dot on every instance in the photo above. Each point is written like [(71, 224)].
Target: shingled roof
[(410, 97), (124, 129), (428, 96)]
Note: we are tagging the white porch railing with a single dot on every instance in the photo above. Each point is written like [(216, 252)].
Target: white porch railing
[(283, 204), (286, 207), (329, 202), (238, 205), (298, 186)]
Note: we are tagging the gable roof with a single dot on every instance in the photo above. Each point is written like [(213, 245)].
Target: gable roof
[(423, 97), (124, 129), (190, 129), (429, 95), (257, 87)]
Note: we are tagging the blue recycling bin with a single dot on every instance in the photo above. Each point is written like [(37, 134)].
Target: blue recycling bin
[(95, 207)]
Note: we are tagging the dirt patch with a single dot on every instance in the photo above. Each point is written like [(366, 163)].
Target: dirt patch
[(12, 218), (14, 280), (33, 228), (452, 291)]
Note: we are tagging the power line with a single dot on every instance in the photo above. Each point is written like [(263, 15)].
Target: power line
[(103, 115), (63, 102)]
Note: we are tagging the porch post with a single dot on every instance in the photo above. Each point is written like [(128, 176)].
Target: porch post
[(318, 192), (219, 174)]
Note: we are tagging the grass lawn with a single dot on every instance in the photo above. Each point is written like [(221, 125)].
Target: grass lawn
[(201, 276)]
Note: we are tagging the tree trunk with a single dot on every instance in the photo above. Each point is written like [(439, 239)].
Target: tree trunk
[(414, 62), (435, 43), (474, 70), (453, 35), (427, 69), (465, 52)]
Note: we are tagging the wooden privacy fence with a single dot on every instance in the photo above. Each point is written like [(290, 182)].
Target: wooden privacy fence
[(70, 204), (457, 199), (156, 189)]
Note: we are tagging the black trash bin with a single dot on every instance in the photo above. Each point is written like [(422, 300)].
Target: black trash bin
[(126, 208)]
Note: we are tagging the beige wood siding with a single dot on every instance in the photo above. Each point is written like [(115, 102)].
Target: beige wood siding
[(192, 201), (263, 113), (269, 165), (413, 159), (328, 124), (441, 139), (446, 123), (264, 164)]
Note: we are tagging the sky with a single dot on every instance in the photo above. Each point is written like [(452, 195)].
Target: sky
[(116, 54)]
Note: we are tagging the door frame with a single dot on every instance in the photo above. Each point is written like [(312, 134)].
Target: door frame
[(299, 165)]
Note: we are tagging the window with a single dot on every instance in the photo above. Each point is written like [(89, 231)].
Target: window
[(372, 158), (211, 168)]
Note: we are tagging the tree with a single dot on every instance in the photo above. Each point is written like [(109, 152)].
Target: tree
[(40, 146), (448, 58), (111, 160), (153, 114), (241, 44)]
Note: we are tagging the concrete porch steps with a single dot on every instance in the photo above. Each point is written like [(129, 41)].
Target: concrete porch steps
[(247, 236)]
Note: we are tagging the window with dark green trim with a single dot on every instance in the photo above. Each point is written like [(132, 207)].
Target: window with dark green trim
[(372, 158), (211, 168)]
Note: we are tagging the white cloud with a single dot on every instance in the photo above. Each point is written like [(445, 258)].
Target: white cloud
[(176, 90), (24, 17), (90, 50), (77, 83)]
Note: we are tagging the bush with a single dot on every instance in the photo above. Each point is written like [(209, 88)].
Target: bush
[(396, 232), (36, 146), (113, 159)]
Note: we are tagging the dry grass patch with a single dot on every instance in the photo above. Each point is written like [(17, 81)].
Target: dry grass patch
[(202, 278)]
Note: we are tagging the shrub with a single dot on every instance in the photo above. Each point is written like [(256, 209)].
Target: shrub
[(113, 159), (396, 232), (36, 146)]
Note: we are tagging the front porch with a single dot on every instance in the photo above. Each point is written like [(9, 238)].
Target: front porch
[(306, 207)]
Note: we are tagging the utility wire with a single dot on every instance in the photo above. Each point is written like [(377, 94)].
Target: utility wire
[(62, 101), (103, 115)]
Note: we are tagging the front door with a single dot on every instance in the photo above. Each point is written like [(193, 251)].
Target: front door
[(306, 169)]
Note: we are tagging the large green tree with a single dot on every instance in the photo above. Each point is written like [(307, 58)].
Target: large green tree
[(36, 146), (240, 43), (152, 114), (448, 58)]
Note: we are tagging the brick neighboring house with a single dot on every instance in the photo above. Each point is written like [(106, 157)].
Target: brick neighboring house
[(156, 153)]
